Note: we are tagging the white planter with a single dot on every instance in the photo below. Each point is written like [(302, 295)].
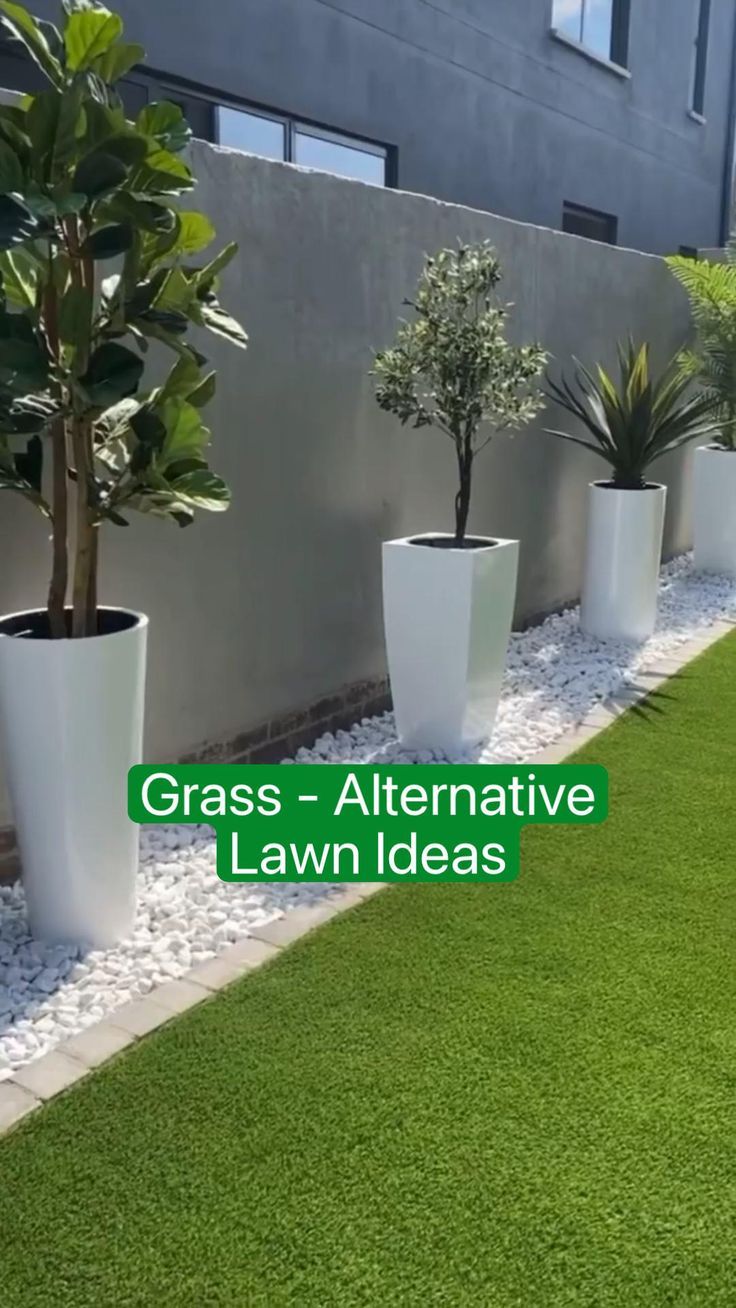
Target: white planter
[(623, 556), (447, 616), (714, 510), (71, 725)]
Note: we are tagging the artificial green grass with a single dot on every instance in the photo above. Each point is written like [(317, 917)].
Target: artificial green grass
[(494, 1096)]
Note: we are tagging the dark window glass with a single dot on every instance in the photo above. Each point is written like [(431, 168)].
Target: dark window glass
[(597, 226), (340, 156), (700, 57)]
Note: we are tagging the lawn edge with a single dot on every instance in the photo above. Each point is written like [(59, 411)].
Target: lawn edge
[(72, 1060)]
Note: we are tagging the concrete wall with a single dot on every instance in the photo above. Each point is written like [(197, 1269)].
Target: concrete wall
[(277, 602), (482, 105)]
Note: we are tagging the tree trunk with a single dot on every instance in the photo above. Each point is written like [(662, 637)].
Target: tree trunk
[(84, 593), (462, 499), (84, 617), (59, 503)]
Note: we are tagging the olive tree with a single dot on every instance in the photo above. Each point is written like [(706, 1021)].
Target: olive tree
[(452, 366), (81, 185)]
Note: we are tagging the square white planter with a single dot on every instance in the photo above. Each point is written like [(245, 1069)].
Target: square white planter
[(622, 561), (714, 510), (71, 720), (447, 617)]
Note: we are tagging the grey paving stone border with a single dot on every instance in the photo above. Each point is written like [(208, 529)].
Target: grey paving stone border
[(73, 1059)]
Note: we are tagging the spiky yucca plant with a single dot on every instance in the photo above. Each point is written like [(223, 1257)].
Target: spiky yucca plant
[(711, 289), (635, 421)]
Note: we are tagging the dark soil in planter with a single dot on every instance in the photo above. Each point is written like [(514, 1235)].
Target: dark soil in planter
[(611, 485), (449, 542), (35, 625)]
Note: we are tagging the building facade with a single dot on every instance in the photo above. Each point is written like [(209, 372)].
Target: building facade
[(609, 118)]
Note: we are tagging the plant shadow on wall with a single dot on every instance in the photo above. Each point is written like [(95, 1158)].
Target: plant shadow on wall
[(81, 185), (449, 600)]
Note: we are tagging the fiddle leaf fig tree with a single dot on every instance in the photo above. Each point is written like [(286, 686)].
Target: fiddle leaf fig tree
[(99, 258), (452, 366)]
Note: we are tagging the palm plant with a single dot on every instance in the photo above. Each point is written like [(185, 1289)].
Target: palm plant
[(711, 288), (634, 421)]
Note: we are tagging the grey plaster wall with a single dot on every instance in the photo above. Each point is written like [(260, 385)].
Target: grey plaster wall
[(481, 104), (278, 601)]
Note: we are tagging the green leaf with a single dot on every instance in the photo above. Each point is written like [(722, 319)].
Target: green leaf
[(218, 321), (177, 292), (203, 393), (195, 233), (107, 242), (98, 173), (11, 172), (114, 372), (23, 365), (183, 378), (207, 276), (24, 27), (117, 61), (17, 225), (88, 34), (162, 174), (21, 269), (166, 123), (202, 489), (186, 434)]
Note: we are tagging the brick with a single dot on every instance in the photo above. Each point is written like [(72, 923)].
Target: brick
[(289, 724), (373, 708), (98, 1043), (7, 840), (178, 996), (48, 1076), (272, 751), (15, 1103), (247, 740), (232, 964), (296, 923), (324, 708), (140, 1016)]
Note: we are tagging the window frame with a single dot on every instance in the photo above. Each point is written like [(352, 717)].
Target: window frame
[(617, 58), (294, 127), (699, 73)]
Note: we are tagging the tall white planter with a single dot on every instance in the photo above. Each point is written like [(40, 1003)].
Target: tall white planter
[(623, 556), (71, 725), (714, 510), (447, 617)]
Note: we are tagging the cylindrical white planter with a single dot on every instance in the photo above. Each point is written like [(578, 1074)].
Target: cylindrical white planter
[(714, 510), (447, 617), (71, 725), (623, 556)]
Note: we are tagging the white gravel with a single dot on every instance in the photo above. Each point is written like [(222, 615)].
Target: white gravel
[(186, 915)]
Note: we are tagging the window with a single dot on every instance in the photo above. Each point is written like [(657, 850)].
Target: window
[(338, 155), (273, 137), (700, 57), (602, 26), (597, 226), (251, 132)]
